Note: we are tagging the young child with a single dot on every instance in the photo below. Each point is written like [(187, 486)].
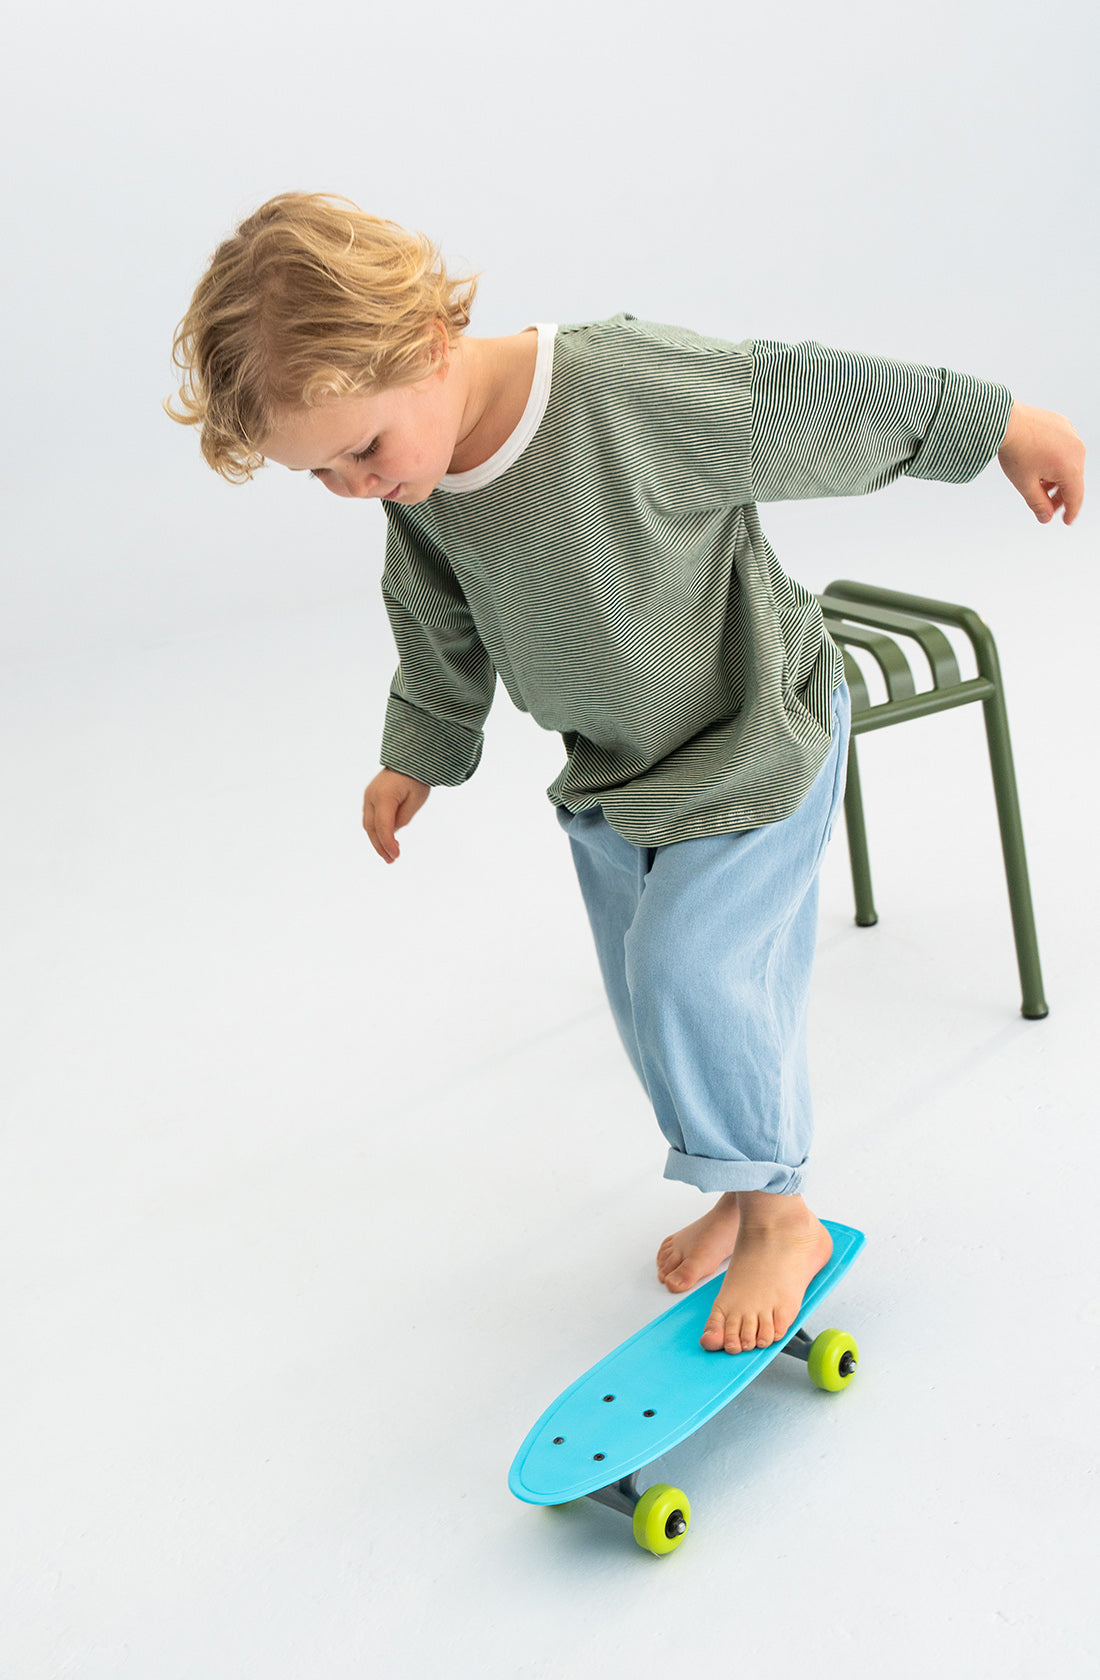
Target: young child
[(574, 511)]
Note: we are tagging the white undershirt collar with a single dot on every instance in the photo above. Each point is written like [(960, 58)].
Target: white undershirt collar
[(530, 421)]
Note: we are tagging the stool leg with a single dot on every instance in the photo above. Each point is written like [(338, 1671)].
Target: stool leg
[(866, 914), (1034, 1004)]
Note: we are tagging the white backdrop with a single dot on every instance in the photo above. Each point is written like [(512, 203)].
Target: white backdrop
[(917, 184)]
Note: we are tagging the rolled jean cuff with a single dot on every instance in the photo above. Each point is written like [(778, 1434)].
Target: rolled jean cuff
[(708, 1174)]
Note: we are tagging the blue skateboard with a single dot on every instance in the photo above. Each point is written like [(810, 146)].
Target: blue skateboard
[(653, 1392)]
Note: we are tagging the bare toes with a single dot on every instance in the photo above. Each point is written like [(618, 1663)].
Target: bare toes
[(741, 1337), (714, 1335), (765, 1333)]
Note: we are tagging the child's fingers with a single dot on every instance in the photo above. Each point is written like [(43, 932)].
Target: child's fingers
[(1053, 497), (1071, 493), (1046, 496), (379, 820)]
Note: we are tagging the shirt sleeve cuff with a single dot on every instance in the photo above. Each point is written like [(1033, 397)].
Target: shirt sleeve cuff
[(967, 430), (436, 752)]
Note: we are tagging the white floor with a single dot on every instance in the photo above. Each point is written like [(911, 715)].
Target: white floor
[(322, 1179)]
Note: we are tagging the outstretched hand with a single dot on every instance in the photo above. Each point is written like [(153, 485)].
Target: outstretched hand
[(1045, 459)]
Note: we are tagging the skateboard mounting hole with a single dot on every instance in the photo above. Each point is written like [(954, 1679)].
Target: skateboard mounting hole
[(598, 1456), (559, 1440), (608, 1397), (649, 1414)]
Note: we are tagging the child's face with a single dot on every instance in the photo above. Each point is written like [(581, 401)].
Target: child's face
[(393, 445)]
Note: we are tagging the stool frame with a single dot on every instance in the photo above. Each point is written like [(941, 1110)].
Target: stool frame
[(865, 617)]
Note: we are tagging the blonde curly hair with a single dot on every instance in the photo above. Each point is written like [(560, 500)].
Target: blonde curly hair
[(309, 300)]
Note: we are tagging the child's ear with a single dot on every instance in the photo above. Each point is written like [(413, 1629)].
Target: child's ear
[(440, 354)]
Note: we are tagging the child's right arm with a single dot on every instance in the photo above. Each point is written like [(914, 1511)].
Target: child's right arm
[(441, 692), (391, 801)]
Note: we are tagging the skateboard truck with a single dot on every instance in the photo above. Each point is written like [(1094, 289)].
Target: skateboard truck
[(800, 1345), (623, 1496)]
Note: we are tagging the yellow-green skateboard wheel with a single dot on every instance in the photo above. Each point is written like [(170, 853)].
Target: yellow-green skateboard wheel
[(661, 1519), (833, 1360)]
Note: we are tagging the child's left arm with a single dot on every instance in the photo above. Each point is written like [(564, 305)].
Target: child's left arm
[(827, 422), (1045, 459)]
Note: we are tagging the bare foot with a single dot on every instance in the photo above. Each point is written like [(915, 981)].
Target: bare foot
[(698, 1250), (780, 1247)]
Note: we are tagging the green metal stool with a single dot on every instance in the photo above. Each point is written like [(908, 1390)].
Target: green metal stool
[(859, 615)]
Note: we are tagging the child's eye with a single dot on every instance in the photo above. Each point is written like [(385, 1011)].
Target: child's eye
[(363, 455)]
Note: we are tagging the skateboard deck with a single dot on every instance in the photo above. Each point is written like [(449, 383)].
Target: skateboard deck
[(656, 1389)]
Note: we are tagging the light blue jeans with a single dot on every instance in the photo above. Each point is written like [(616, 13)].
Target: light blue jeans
[(706, 948)]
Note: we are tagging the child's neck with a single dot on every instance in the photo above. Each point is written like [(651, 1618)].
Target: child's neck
[(498, 374)]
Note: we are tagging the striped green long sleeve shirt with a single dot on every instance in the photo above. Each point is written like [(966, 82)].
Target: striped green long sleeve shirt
[(609, 567)]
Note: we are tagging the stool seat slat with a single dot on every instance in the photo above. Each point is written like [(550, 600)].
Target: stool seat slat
[(888, 656), (942, 661)]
